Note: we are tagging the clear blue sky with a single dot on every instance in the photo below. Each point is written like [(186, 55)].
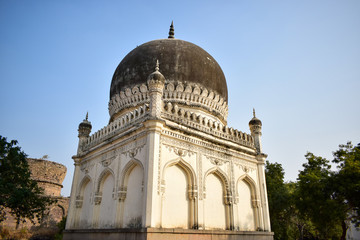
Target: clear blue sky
[(296, 62)]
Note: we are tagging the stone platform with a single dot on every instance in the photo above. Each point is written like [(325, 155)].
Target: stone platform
[(164, 234)]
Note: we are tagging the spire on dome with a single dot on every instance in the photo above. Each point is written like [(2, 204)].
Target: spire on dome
[(157, 65), (171, 32), (87, 116), (254, 112)]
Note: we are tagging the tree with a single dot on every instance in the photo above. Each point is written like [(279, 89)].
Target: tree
[(315, 200), (346, 183), (279, 200), (18, 192)]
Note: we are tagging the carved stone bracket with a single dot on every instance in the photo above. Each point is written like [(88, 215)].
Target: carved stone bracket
[(228, 199), (255, 203), (78, 201), (193, 192), (122, 193), (97, 198)]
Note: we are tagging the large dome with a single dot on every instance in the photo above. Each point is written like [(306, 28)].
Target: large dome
[(179, 61)]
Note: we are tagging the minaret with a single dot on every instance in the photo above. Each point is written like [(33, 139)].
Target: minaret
[(84, 132), (255, 128), (156, 82)]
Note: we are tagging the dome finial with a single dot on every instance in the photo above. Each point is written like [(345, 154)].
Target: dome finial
[(254, 112), (171, 32), (157, 65), (87, 116)]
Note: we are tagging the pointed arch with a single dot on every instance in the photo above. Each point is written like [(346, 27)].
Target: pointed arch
[(190, 173), (182, 191), (252, 184), (130, 192), (86, 179), (221, 175), (127, 170), (106, 172), (218, 200), (248, 203)]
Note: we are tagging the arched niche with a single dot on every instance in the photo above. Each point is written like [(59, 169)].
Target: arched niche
[(179, 193), (83, 203), (105, 199), (217, 199), (247, 204), (131, 194)]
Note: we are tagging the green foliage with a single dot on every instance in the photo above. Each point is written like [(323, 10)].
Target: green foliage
[(346, 182), (18, 192), (61, 225), (314, 199), (322, 203), (279, 200)]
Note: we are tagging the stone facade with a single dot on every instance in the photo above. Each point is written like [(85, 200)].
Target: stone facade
[(168, 165)]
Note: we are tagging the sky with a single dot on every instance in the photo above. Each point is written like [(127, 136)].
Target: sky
[(296, 62)]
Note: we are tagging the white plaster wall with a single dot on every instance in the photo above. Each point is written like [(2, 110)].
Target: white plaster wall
[(214, 209), (133, 203), (175, 203), (86, 209), (107, 206), (245, 210)]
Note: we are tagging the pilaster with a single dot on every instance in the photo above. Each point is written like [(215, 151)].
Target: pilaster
[(70, 221), (152, 198), (264, 208)]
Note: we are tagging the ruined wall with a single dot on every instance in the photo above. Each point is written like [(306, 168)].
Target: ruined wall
[(49, 176)]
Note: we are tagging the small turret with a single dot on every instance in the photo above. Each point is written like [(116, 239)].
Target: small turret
[(255, 128), (84, 132), (156, 83)]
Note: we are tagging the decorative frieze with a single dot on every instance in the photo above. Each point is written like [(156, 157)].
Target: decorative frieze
[(175, 92), (197, 96)]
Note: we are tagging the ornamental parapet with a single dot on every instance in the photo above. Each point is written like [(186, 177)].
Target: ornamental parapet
[(120, 124), (176, 92), (199, 122)]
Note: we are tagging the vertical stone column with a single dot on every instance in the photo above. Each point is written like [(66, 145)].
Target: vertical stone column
[(152, 209), (84, 132), (156, 83), (264, 208), (71, 217)]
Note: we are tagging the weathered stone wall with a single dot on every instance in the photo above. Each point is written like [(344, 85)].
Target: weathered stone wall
[(49, 176)]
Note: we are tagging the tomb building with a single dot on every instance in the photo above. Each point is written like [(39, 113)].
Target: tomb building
[(167, 165)]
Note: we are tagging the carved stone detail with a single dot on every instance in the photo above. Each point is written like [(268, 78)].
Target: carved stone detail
[(97, 198), (79, 201), (86, 167), (216, 161), (179, 151), (122, 193)]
